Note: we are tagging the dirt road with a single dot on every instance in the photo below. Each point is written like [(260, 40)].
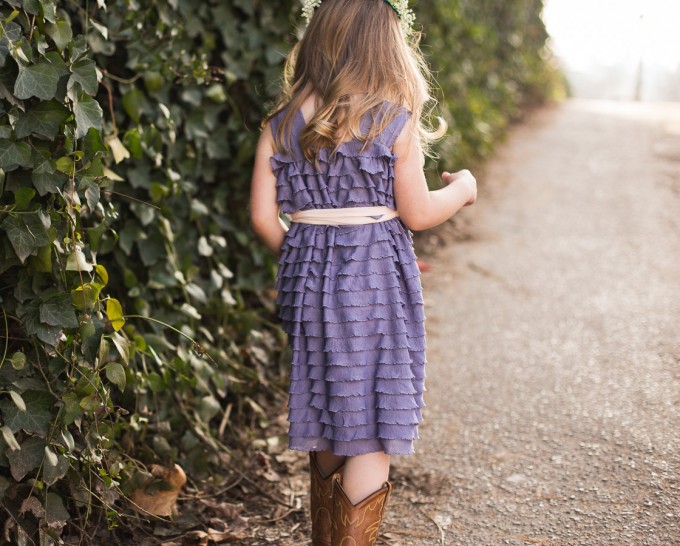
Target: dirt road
[(553, 396)]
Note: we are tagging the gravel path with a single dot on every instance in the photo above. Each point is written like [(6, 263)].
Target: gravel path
[(553, 396)]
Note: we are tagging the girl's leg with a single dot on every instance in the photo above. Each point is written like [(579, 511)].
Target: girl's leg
[(365, 474), (359, 499)]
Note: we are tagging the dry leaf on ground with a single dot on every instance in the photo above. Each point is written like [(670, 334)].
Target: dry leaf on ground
[(159, 496)]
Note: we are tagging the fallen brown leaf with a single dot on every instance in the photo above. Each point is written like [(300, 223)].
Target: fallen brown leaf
[(212, 536), (226, 510), (221, 537), (157, 498)]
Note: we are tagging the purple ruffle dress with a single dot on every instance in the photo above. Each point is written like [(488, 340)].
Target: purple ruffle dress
[(351, 302)]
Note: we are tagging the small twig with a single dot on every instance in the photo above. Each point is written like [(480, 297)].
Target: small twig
[(195, 344), (442, 535), (110, 94), (4, 354), (217, 493), (225, 419), (132, 199), (119, 79), (283, 516)]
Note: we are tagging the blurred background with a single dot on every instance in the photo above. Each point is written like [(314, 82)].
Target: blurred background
[(617, 49)]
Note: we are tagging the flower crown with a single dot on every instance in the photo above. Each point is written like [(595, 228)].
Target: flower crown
[(401, 8)]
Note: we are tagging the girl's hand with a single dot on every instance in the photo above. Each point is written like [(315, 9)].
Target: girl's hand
[(463, 177)]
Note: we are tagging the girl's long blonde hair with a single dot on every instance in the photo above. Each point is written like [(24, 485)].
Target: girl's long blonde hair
[(353, 56)]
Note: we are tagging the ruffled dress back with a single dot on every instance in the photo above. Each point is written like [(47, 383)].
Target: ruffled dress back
[(350, 299)]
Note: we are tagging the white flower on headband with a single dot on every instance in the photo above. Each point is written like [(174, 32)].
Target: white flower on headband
[(308, 7), (406, 15)]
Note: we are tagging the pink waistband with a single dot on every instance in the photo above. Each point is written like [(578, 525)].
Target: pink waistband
[(344, 216)]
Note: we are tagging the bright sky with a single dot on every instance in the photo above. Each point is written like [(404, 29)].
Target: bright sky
[(612, 32)]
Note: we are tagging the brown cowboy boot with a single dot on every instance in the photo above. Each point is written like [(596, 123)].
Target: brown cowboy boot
[(357, 525), (321, 500)]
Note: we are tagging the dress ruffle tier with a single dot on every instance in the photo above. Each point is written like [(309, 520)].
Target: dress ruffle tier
[(351, 302)]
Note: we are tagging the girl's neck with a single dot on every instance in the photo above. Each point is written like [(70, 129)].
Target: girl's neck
[(309, 106)]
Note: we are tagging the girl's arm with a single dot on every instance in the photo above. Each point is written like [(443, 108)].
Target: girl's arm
[(419, 208), (264, 210)]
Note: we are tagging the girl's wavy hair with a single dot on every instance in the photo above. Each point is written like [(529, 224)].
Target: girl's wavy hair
[(354, 55)]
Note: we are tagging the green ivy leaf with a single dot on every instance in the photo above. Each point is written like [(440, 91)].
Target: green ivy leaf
[(37, 80), (84, 72), (54, 509), (85, 297), (155, 382), (26, 459), (14, 155), (103, 351), (77, 48), (47, 179), (117, 149), (18, 401), (68, 440), (11, 34), (133, 142), (72, 409), (93, 143), (134, 103), (54, 467), (9, 438), (122, 345), (18, 360), (26, 234), (49, 10), (64, 164), (77, 261), (95, 234), (88, 114), (37, 416), (43, 261), (87, 330), (91, 402), (31, 6), (56, 61), (115, 313), (50, 457), (92, 195), (103, 274), (22, 198), (44, 120), (116, 374), (47, 333), (208, 407), (60, 31), (57, 310)]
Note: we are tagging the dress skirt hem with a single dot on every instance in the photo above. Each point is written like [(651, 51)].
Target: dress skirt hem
[(354, 447)]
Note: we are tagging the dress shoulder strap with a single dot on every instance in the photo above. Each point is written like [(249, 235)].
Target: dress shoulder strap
[(276, 119), (296, 127), (392, 131)]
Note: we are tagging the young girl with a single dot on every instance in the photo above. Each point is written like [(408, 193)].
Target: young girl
[(343, 155)]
